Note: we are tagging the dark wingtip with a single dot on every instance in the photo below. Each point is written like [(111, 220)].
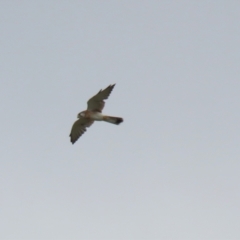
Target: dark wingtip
[(71, 140)]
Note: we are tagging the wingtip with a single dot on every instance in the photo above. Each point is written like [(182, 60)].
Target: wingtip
[(71, 140)]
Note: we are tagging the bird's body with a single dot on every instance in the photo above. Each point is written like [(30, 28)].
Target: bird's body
[(96, 116), (93, 113)]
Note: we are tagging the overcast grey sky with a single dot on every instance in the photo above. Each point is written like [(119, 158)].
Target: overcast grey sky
[(170, 170)]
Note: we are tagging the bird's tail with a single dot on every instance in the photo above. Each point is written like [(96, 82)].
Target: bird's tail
[(114, 120)]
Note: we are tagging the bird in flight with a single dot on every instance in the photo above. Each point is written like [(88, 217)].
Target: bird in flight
[(93, 113)]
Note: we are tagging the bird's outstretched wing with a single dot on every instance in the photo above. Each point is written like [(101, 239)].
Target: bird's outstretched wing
[(96, 103), (78, 128)]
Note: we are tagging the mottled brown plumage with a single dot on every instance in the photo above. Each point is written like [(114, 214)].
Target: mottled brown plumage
[(93, 113)]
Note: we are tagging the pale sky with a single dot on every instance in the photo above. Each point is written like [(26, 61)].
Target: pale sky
[(171, 170)]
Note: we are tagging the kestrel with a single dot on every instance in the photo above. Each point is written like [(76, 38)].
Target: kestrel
[(93, 113)]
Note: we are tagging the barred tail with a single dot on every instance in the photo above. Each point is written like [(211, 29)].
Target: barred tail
[(114, 120)]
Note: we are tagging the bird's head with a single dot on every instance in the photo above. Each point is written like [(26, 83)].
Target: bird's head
[(81, 114)]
